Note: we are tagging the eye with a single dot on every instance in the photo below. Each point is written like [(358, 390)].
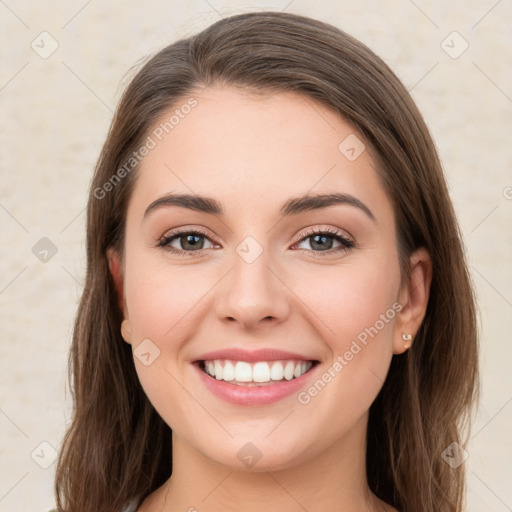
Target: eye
[(325, 240), (185, 242), (190, 241)]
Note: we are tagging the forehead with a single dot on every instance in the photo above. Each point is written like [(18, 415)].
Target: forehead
[(255, 151)]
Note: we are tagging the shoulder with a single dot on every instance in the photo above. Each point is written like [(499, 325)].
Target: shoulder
[(130, 507)]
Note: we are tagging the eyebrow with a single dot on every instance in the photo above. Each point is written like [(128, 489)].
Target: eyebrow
[(292, 206)]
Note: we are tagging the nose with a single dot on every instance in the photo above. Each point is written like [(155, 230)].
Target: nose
[(253, 295)]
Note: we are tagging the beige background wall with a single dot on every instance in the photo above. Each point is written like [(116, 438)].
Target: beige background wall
[(56, 109)]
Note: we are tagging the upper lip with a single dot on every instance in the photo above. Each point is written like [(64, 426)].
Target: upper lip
[(261, 354)]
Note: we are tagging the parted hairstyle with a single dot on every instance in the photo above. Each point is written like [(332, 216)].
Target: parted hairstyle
[(117, 447)]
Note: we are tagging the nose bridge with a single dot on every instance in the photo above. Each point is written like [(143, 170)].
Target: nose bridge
[(252, 291)]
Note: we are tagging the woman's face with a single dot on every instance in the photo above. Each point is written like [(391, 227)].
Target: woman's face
[(275, 284)]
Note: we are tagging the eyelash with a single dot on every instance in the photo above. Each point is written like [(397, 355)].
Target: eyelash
[(345, 243), (166, 240)]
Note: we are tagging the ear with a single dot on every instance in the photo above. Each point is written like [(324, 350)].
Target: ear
[(115, 268), (413, 298), (114, 265)]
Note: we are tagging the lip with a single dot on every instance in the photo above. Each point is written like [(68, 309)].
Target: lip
[(251, 356), (254, 395)]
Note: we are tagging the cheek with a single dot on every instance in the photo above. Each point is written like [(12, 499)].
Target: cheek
[(338, 304), (161, 296), (350, 299), (356, 309), (344, 301), (160, 299)]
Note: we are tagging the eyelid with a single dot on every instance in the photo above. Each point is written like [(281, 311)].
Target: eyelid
[(346, 242), (164, 240), (334, 232), (185, 231)]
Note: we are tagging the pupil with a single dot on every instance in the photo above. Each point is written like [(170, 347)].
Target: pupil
[(193, 241), (322, 239)]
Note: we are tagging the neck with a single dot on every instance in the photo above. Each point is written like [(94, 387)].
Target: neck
[(332, 480)]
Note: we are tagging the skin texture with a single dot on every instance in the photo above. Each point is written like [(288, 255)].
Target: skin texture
[(252, 153)]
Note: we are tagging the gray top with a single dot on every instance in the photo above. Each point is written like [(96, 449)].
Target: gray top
[(131, 507)]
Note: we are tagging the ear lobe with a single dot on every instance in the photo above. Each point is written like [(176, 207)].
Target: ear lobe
[(114, 266), (126, 331), (413, 298)]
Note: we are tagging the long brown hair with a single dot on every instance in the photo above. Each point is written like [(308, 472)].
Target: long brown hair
[(117, 446)]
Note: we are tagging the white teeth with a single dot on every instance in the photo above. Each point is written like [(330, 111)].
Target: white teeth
[(243, 372), (228, 373), (218, 370), (288, 370), (276, 372), (262, 371)]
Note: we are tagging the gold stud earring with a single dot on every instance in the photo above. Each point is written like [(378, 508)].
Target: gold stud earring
[(407, 339)]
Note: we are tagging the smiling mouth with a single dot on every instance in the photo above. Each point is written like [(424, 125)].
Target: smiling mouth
[(260, 373)]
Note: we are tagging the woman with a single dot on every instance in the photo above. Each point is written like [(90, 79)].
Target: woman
[(277, 314)]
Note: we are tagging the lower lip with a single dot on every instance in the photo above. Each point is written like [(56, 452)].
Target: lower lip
[(253, 395)]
